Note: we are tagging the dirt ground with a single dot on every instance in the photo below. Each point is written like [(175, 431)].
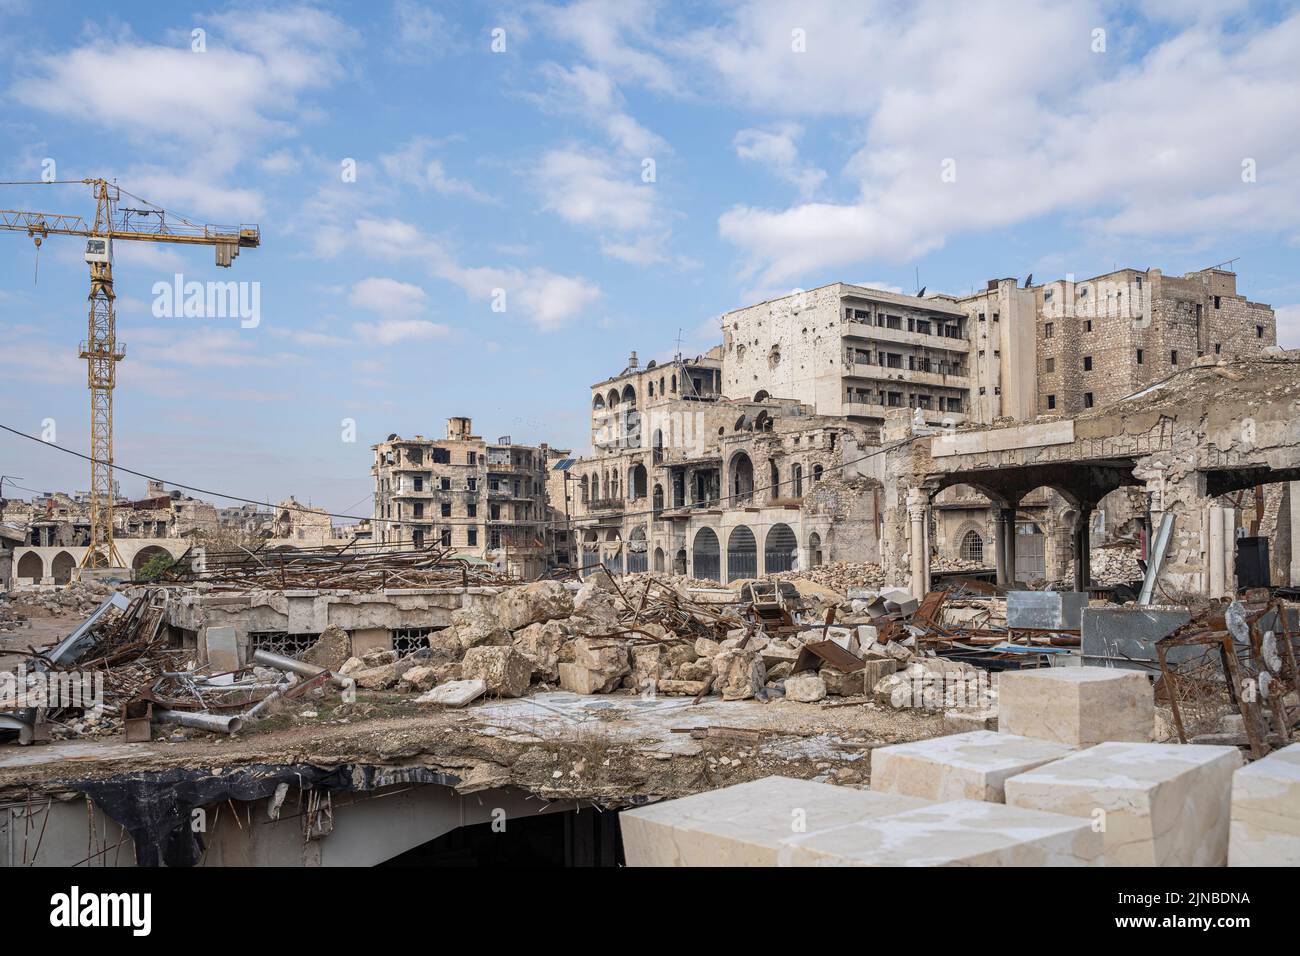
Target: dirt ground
[(611, 748), (39, 630)]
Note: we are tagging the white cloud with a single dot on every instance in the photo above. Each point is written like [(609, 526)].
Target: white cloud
[(279, 163), (1288, 326), (412, 165), (388, 297), (392, 331), (592, 95), (614, 36), (422, 32), (544, 298), (588, 190), (1052, 130), (778, 150)]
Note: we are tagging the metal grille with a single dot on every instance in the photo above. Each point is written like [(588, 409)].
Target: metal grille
[(972, 546), (707, 558), (742, 554), (408, 640), (281, 642), (779, 550)]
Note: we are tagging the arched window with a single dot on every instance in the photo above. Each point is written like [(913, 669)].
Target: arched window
[(659, 559), (773, 480), (637, 551), (817, 472), (586, 489), (972, 546), (31, 566), (780, 550), (674, 383), (796, 480), (814, 550), (742, 479), (657, 501)]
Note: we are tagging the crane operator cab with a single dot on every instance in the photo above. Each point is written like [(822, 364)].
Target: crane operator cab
[(99, 249)]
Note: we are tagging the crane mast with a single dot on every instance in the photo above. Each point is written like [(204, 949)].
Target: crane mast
[(100, 348)]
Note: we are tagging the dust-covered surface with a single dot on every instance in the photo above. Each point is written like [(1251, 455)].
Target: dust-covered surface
[(615, 748)]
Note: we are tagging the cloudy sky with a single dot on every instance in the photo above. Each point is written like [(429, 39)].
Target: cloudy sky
[(481, 209)]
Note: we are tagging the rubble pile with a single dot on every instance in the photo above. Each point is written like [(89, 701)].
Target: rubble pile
[(841, 576), (76, 598), (1115, 565)]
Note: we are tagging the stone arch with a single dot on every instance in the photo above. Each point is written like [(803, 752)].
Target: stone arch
[(598, 403), (31, 566), (970, 546), (637, 553), (679, 561), (659, 559), (817, 473), (742, 554), (815, 558), (761, 395), (147, 554), (611, 400), (586, 489), (740, 474), (657, 499), (629, 396), (61, 567), (706, 556), (780, 550)]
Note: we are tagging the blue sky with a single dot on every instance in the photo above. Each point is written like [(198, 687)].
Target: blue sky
[(625, 172)]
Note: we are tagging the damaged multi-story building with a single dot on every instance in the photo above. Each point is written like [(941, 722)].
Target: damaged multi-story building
[(730, 464), (483, 499)]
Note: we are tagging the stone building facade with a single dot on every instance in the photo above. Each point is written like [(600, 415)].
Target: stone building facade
[(483, 499)]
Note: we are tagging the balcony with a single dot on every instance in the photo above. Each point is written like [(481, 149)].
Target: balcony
[(876, 333), (605, 504), (884, 373)]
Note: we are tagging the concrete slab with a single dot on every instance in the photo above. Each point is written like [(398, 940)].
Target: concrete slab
[(222, 647), (745, 825), (957, 833), (1079, 706), (970, 766), (1157, 804), (1265, 828)]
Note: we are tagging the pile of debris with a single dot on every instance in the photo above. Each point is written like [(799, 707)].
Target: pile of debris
[(76, 598), (841, 576), (1115, 564)]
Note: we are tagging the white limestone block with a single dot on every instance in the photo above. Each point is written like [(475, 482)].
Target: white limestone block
[(1080, 706), (958, 833), (1157, 804), (1265, 829), (971, 766), (744, 825)]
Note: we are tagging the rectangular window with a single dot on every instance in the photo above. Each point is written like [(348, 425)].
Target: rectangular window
[(1216, 301), (444, 484), (446, 509), (1087, 363), (471, 537), (893, 360), (1139, 356), (1218, 348), (1259, 331), (1049, 364), (473, 458), (471, 511), (494, 512), (1087, 325), (446, 538), (1087, 399), (1048, 329), (1173, 357), (1051, 401), (472, 484)]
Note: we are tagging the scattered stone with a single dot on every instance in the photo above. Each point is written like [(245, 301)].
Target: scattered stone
[(332, 649), (532, 603), (541, 644), (503, 670), (805, 688), (739, 673), (455, 694)]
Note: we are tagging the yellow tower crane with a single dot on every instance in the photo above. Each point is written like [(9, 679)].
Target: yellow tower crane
[(145, 222)]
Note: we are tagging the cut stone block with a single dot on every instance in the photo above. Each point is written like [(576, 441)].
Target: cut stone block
[(971, 766), (1157, 804), (744, 825), (1079, 706), (1265, 828), (456, 694), (957, 833)]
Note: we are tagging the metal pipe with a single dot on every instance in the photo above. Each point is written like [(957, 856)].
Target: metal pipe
[(255, 712), (280, 662), (216, 723)]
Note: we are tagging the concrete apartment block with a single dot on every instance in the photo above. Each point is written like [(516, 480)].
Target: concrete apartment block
[(958, 833), (971, 766), (1265, 829), (1079, 706), (744, 825), (1158, 804)]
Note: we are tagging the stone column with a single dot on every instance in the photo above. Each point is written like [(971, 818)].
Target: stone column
[(1083, 548), (918, 506), (1004, 546)]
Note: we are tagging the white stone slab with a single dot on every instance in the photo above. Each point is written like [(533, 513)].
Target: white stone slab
[(1079, 706), (1265, 829), (958, 833), (222, 646), (970, 766), (1157, 804), (744, 825), (456, 693)]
